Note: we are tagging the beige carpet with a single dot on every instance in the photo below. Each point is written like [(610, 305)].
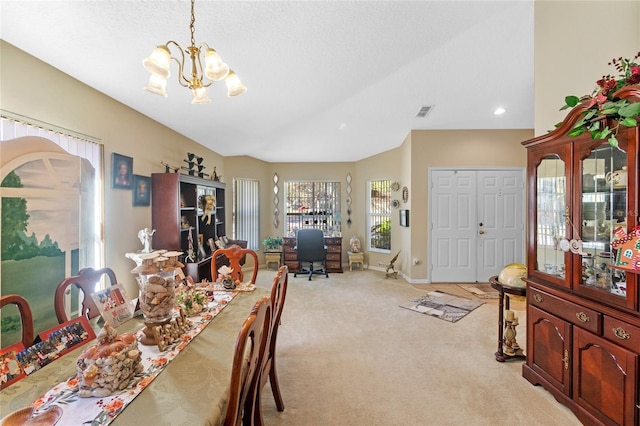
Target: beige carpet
[(347, 355)]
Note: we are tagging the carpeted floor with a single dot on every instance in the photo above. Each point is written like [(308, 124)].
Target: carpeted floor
[(347, 355)]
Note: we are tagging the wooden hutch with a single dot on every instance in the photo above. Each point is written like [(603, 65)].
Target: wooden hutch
[(178, 216), (583, 318)]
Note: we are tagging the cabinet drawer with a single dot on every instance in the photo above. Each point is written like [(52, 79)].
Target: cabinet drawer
[(333, 265), (290, 256), (576, 314), (333, 256), (289, 249), (334, 249), (621, 333), (333, 241)]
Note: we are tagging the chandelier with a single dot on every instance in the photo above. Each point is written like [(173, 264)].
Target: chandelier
[(214, 69)]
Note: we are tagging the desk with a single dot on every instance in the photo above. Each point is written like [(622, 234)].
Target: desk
[(504, 291), (193, 389)]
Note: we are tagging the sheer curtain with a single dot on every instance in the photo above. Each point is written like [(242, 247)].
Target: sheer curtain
[(89, 148)]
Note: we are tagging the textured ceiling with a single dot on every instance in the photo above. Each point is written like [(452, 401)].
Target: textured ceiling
[(327, 80)]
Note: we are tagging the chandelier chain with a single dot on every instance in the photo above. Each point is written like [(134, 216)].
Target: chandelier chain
[(192, 27)]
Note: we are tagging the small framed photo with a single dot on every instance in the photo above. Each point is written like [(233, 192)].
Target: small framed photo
[(404, 218), (121, 171), (11, 369), (141, 190), (67, 336)]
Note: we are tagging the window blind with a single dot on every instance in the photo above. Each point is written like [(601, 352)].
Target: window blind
[(246, 211)]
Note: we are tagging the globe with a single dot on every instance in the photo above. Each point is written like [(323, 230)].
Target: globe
[(512, 275)]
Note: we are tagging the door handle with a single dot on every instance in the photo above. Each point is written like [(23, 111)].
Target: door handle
[(481, 232)]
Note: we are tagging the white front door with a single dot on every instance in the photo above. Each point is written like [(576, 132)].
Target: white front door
[(477, 223)]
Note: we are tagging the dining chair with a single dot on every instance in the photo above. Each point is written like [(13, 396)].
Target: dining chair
[(86, 280), (268, 368), (235, 254), (26, 317), (250, 349)]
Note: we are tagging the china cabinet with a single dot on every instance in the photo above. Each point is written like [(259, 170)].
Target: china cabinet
[(583, 319), (187, 211)]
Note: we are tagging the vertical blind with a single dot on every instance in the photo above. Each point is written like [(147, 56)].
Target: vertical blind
[(379, 217), (246, 211)]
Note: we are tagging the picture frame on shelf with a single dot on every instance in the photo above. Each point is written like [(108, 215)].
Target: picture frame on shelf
[(121, 171), (404, 218), (141, 190), (68, 336)]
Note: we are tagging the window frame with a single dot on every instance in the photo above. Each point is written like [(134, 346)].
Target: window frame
[(374, 217)]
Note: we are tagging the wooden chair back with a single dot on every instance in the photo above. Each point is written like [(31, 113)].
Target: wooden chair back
[(26, 317), (235, 253), (86, 280), (247, 359), (268, 369)]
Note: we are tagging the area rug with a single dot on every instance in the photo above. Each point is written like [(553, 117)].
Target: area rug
[(443, 305), (483, 291)]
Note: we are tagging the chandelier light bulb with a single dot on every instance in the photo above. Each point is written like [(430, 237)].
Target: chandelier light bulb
[(215, 69), (157, 85), (158, 62), (234, 86), (200, 96)]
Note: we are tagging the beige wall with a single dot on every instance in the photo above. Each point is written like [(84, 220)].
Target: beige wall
[(565, 45), (574, 41), (463, 148), (34, 89)]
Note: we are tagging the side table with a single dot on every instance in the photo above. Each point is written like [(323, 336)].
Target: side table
[(356, 258), (504, 290), (273, 257)]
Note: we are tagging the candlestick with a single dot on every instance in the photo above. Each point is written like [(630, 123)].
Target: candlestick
[(510, 315)]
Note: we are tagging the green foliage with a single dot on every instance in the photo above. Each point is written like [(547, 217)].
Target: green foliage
[(603, 104), (15, 244), (271, 243)]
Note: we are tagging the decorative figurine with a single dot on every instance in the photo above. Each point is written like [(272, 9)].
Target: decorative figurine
[(146, 236)]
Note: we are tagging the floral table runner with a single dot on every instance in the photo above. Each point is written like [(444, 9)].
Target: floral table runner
[(102, 411)]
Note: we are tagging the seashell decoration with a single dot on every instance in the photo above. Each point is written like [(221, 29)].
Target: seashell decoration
[(109, 365)]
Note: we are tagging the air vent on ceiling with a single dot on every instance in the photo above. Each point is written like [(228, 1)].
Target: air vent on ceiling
[(424, 111)]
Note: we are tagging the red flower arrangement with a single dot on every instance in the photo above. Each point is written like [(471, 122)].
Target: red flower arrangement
[(602, 102)]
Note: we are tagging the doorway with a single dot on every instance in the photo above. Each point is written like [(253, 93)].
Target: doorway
[(476, 222)]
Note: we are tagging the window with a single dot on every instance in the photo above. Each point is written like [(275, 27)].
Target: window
[(379, 215), (312, 205), (246, 211)]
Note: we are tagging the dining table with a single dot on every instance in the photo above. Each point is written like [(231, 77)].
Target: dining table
[(192, 389)]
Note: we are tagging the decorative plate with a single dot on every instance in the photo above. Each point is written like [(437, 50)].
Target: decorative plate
[(395, 204), (395, 186), (405, 194)]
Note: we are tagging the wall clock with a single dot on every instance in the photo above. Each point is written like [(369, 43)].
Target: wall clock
[(405, 194)]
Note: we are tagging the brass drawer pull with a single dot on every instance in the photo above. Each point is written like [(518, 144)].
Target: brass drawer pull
[(566, 359), (621, 334), (582, 317), (537, 298)]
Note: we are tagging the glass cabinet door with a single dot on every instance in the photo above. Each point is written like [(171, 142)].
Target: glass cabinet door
[(603, 209), (551, 217)]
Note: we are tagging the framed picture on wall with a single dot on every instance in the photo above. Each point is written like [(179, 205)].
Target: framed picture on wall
[(404, 218), (121, 171), (141, 190)]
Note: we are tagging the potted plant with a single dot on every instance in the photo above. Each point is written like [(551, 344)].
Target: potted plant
[(272, 244)]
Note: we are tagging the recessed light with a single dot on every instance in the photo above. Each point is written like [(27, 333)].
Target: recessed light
[(499, 111)]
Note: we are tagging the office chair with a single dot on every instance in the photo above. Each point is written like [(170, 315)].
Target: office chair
[(311, 248)]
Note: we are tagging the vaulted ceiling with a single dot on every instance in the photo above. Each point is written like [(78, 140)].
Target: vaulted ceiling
[(327, 80)]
